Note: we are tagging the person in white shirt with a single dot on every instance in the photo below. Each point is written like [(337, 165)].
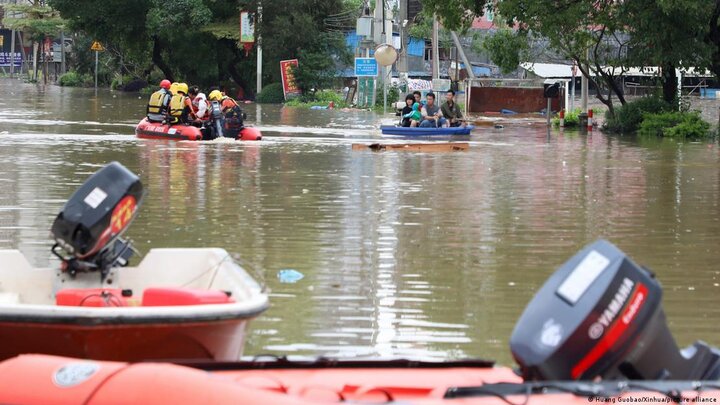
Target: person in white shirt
[(199, 102)]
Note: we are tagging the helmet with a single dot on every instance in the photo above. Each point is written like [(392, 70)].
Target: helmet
[(182, 87), (173, 88), (165, 84), (215, 95)]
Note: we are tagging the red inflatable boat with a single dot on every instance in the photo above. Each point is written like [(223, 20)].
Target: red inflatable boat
[(38, 379), (155, 130)]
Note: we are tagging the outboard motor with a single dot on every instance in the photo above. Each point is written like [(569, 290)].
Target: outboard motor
[(216, 120), (88, 229), (600, 315)]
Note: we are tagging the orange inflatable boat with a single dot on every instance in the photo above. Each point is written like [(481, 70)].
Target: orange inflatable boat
[(155, 130), (46, 380)]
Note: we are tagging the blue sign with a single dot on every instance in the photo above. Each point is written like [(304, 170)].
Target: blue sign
[(5, 59), (366, 67)]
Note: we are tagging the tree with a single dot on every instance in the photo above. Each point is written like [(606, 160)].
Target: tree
[(603, 34), (197, 41), (303, 30), (36, 20)]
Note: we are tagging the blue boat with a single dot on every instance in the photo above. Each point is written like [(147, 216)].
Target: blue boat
[(417, 131)]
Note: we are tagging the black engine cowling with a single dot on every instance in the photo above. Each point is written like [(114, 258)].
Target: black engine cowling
[(600, 315), (90, 224)]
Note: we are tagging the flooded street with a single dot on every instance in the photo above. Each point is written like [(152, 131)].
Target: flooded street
[(403, 254)]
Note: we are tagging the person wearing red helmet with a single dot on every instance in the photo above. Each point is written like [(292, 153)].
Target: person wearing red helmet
[(157, 107)]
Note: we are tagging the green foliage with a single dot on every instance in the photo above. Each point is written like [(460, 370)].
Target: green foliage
[(392, 96), (271, 94), (507, 49), (572, 118), (38, 21), (668, 33), (320, 98), (674, 124), (422, 28), (75, 79), (627, 118), (120, 80)]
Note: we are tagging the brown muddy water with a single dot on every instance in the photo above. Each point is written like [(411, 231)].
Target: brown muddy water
[(403, 254)]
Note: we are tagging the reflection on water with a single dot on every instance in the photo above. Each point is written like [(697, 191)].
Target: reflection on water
[(422, 255)]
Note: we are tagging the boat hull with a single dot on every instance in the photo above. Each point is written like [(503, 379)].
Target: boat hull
[(219, 340), (36, 379), (417, 131), (153, 130)]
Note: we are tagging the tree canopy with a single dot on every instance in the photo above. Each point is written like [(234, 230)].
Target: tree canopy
[(197, 41), (603, 33)]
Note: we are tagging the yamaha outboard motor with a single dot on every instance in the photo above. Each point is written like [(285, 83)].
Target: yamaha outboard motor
[(215, 125), (88, 228), (600, 315)]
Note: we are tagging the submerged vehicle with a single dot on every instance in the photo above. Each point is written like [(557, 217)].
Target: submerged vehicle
[(421, 131), (175, 304), (595, 332), (216, 127)]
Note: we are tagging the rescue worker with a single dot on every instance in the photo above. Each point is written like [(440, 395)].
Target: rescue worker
[(181, 106), (157, 107), (232, 112)]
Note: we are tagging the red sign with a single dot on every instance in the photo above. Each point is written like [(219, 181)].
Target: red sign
[(288, 79), (122, 214)]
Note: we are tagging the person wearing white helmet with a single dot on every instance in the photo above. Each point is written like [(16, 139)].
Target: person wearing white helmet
[(199, 103)]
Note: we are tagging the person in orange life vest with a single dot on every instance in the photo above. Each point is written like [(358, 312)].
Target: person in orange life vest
[(232, 112)]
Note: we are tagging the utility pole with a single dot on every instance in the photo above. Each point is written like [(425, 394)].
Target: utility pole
[(403, 23), (62, 53), (466, 62), (12, 54), (584, 85), (258, 83), (435, 49)]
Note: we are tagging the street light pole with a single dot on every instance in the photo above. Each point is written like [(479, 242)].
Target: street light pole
[(259, 60)]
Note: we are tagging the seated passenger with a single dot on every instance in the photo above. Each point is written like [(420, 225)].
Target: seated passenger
[(407, 109), (451, 111), (180, 106), (232, 112), (414, 117), (157, 107), (199, 104), (418, 97), (431, 115)]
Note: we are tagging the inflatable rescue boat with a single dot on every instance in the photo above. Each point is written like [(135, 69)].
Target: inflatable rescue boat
[(44, 380), (176, 303), (157, 130)]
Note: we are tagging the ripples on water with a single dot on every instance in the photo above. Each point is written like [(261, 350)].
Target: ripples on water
[(404, 254)]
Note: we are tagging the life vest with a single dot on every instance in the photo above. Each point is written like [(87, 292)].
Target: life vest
[(157, 106), (178, 110)]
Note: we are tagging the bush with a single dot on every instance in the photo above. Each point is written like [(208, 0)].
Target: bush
[(628, 117), (674, 124), (572, 118), (75, 79), (393, 95), (271, 94), (128, 83), (320, 98)]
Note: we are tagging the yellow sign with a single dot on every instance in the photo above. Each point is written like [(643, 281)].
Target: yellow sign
[(97, 47), (2, 41)]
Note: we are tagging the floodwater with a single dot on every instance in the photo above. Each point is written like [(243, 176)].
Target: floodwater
[(403, 254)]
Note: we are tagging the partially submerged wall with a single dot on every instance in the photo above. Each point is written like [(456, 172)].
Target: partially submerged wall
[(518, 99)]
